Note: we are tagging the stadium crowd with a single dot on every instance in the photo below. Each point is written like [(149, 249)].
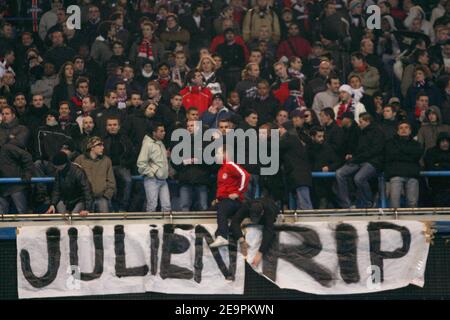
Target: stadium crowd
[(95, 106)]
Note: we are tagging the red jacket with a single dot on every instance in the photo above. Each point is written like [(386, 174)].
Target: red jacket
[(281, 91), (294, 46), (232, 178), (221, 39), (198, 97)]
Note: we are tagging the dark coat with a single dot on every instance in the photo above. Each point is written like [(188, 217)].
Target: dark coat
[(323, 155), (14, 133), (295, 159), (101, 114), (232, 56), (137, 126), (334, 136), (266, 109), (49, 141), (15, 162), (370, 147), (351, 136), (389, 128), (402, 158), (268, 219), (438, 160), (120, 144), (72, 186), (193, 174)]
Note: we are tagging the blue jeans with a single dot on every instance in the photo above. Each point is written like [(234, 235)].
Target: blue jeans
[(61, 207), (18, 198), (189, 192), (123, 193), (362, 174), (411, 187), (303, 198), (157, 189), (101, 205)]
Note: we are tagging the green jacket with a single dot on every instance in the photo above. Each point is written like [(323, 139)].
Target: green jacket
[(100, 175), (152, 161)]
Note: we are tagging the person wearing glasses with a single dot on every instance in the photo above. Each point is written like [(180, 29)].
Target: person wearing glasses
[(99, 171)]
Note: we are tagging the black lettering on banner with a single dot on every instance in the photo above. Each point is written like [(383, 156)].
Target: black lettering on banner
[(299, 255), (54, 260), (154, 245), (174, 244), (346, 247), (376, 255), (121, 264), (230, 272), (97, 234)]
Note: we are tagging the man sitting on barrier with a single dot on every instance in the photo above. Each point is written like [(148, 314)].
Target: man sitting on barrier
[(232, 183), (71, 190), (262, 211)]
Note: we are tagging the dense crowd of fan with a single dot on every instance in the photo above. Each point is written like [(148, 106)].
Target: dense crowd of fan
[(97, 105)]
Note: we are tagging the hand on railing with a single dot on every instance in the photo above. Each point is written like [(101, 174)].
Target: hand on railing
[(84, 213), (51, 210)]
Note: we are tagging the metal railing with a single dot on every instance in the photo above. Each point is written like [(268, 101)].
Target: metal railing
[(381, 181)]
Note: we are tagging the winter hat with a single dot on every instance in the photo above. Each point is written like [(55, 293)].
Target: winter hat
[(92, 142), (60, 159), (346, 88)]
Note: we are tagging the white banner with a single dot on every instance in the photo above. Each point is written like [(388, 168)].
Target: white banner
[(316, 257), (343, 258), (113, 259)]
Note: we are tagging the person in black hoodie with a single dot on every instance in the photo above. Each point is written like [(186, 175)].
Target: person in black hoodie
[(174, 115), (193, 176), (402, 168), (71, 191), (437, 158), (123, 156), (363, 164), (323, 159), (264, 103)]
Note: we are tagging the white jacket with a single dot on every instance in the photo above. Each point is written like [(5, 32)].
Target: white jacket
[(359, 108), (152, 161)]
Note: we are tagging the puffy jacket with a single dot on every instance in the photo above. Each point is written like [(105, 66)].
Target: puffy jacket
[(14, 133), (402, 158), (72, 186), (198, 97), (100, 174), (231, 179), (152, 161)]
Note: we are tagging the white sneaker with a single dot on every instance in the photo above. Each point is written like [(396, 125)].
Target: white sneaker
[(219, 242)]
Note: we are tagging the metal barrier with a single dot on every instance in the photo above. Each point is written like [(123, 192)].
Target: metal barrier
[(381, 181)]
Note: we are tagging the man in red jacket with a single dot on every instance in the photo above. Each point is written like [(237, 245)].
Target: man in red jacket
[(294, 45), (195, 95), (232, 183)]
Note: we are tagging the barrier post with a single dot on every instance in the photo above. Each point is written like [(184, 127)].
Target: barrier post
[(382, 190)]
